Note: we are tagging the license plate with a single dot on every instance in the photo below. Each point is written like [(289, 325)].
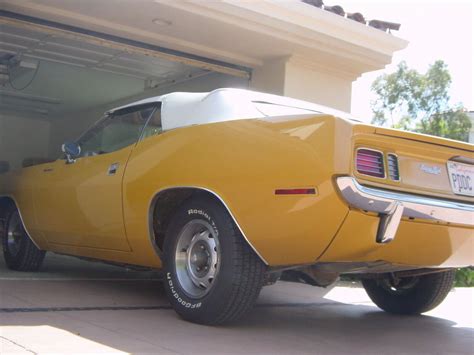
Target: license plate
[(462, 178)]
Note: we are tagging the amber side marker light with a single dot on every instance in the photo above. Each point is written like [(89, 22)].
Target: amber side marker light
[(295, 192)]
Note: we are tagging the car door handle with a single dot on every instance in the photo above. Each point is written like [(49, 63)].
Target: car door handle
[(48, 170), (113, 169)]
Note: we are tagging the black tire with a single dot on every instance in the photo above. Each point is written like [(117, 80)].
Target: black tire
[(21, 255), (238, 275), (412, 295)]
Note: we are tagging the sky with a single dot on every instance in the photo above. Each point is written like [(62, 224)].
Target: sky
[(435, 29)]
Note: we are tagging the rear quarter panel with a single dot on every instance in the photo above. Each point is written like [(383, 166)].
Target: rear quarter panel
[(244, 162)]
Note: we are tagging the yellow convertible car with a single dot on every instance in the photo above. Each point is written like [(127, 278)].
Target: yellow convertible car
[(231, 190)]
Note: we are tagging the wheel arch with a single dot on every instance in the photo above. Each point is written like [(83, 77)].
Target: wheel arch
[(166, 201)]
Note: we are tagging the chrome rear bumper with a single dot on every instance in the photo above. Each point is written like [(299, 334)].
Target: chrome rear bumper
[(392, 206)]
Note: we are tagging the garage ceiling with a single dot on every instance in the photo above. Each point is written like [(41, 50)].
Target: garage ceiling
[(74, 74)]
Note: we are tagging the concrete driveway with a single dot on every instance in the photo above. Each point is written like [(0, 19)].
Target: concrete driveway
[(74, 306)]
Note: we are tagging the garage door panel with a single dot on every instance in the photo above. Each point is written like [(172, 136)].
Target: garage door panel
[(149, 61), (21, 34), (84, 46), (136, 69), (11, 47), (130, 74), (76, 52), (62, 57), (8, 49), (18, 42)]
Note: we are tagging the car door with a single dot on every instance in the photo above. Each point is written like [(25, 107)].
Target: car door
[(79, 202)]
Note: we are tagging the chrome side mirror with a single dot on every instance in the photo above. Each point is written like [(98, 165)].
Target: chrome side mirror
[(72, 150)]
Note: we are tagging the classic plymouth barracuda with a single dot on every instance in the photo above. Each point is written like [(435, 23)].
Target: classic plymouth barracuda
[(228, 191)]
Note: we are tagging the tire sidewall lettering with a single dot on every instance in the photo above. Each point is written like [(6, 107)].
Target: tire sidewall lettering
[(205, 215), (177, 296)]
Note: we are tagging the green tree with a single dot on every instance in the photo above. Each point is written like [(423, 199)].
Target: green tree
[(413, 101)]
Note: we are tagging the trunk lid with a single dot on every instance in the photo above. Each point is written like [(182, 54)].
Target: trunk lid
[(424, 138)]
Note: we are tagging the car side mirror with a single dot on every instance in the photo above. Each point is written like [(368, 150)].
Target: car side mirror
[(72, 150)]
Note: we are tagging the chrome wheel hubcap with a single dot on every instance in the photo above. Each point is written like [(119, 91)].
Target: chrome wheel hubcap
[(15, 233), (197, 258)]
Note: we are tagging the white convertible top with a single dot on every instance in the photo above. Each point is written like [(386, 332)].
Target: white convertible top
[(181, 109)]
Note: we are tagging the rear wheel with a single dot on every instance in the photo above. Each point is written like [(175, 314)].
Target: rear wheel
[(19, 251), (410, 295), (212, 275)]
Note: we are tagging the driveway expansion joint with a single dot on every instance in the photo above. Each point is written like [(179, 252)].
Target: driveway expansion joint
[(163, 307), (19, 345), (80, 309)]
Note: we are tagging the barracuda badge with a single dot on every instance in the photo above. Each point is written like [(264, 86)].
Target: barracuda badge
[(434, 170)]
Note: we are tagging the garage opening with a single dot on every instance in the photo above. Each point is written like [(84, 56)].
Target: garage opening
[(56, 80)]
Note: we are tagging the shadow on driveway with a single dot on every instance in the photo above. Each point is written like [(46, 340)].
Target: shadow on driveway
[(76, 306)]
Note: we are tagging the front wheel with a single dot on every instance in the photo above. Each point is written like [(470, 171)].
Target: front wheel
[(410, 295), (20, 253), (212, 275)]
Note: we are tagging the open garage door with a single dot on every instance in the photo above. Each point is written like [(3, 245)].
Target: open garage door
[(56, 80)]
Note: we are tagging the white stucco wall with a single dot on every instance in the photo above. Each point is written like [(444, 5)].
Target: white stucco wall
[(304, 80), (318, 85)]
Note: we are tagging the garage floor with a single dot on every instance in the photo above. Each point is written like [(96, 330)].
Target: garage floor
[(79, 307)]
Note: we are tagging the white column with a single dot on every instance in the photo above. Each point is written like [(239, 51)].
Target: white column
[(305, 80)]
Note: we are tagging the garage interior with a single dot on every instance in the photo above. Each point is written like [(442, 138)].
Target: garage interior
[(54, 83)]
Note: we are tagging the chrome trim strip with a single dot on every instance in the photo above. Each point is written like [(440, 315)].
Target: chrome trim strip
[(155, 197), (21, 218), (425, 208), (142, 133)]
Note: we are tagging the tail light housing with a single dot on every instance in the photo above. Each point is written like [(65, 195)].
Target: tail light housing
[(370, 162)]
